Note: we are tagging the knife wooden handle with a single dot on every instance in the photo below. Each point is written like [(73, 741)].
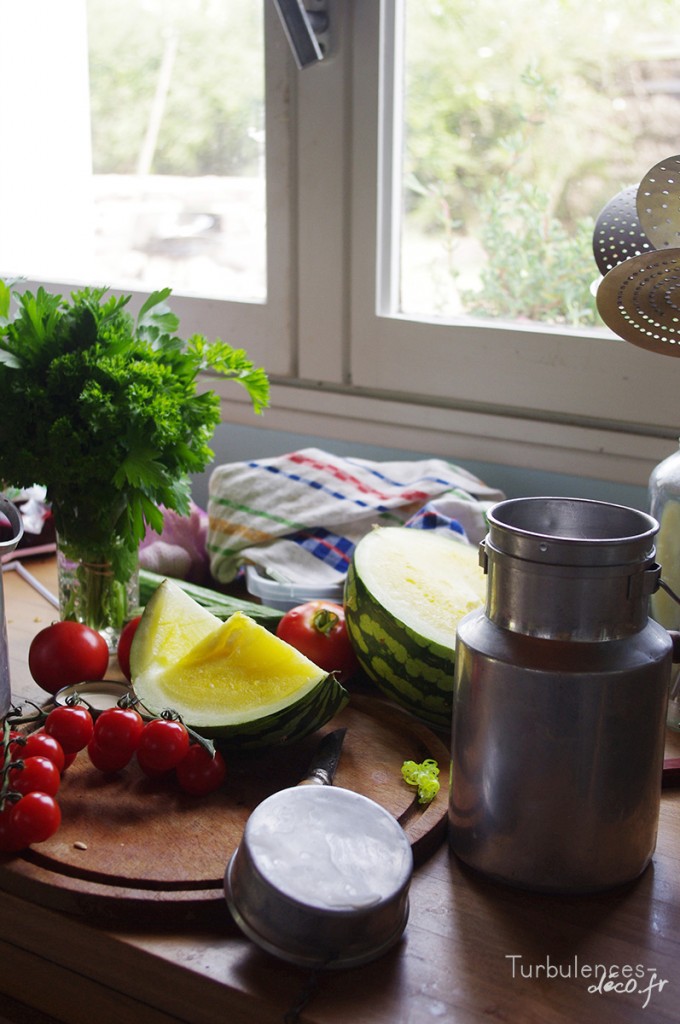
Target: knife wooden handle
[(671, 773)]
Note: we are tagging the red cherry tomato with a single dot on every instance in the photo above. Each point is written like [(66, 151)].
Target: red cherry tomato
[(107, 759), (40, 744), (124, 645), (33, 819), (318, 630), (72, 726), (8, 841), (67, 653), (163, 744), (115, 738), (118, 729), (199, 772), (36, 773)]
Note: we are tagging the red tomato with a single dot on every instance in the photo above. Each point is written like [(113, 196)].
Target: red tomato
[(118, 729), (71, 726), (67, 653), (8, 842), (199, 772), (318, 630), (124, 645), (33, 819), (40, 744), (163, 744), (107, 759), (37, 773)]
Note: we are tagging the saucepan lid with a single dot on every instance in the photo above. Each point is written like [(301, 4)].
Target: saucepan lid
[(321, 877)]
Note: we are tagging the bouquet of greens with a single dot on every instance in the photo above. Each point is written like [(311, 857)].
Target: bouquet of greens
[(103, 411)]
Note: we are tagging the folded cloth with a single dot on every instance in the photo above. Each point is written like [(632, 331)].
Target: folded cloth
[(299, 516)]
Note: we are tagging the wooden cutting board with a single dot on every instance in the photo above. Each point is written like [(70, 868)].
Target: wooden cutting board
[(125, 838)]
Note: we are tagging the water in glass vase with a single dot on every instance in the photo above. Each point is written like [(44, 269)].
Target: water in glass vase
[(99, 588)]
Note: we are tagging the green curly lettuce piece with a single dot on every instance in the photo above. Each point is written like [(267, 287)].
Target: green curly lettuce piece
[(425, 776)]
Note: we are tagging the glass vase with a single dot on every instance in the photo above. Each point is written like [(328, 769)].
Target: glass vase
[(664, 500), (98, 586)]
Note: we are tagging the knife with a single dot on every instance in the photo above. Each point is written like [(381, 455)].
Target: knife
[(324, 763), (671, 773)]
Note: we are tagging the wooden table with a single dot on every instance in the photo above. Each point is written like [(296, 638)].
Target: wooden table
[(473, 951)]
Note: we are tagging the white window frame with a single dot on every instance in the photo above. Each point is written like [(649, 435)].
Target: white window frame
[(559, 401), (343, 367)]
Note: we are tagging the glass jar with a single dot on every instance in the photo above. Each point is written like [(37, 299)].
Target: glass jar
[(664, 499), (99, 587)]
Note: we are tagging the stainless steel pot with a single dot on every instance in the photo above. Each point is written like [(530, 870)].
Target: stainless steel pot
[(321, 877), (560, 693)]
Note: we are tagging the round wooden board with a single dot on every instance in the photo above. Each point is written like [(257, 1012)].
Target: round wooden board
[(127, 838)]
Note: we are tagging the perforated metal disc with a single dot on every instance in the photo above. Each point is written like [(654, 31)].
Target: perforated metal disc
[(658, 203), (640, 301), (618, 234)]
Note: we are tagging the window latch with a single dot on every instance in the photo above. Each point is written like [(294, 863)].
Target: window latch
[(306, 27)]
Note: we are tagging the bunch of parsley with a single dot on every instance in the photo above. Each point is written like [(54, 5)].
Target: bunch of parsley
[(103, 410)]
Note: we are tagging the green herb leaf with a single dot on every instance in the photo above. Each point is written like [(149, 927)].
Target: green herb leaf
[(103, 410)]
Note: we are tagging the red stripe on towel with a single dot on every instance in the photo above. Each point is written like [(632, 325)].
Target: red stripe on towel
[(346, 477)]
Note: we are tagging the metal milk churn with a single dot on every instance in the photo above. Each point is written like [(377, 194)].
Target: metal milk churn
[(560, 694), (10, 512)]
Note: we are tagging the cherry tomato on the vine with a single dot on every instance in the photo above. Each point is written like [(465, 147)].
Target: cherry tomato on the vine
[(162, 745), (318, 630), (119, 729), (115, 738), (33, 819), (71, 725), (8, 840), (66, 653), (199, 772), (124, 645), (107, 759), (40, 744), (36, 773)]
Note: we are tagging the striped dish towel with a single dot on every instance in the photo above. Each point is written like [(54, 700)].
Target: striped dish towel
[(298, 516)]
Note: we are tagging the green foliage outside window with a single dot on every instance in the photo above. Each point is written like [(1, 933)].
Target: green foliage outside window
[(522, 121), (192, 66)]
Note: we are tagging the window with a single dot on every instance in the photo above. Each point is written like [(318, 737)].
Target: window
[(139, 153), (178, 145), (363, 337), (559, 398)]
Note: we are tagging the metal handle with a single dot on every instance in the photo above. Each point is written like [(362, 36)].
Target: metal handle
[(299, 28), (662, 585)]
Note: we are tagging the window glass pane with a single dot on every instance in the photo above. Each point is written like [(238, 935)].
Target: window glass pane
[(520, 122), (140, 128)]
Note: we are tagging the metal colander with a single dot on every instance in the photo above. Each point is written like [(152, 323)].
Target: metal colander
[(640, 301), (618, 234), (658, 203)]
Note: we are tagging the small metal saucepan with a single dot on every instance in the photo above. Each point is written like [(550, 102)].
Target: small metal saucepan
[(321, 877)]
